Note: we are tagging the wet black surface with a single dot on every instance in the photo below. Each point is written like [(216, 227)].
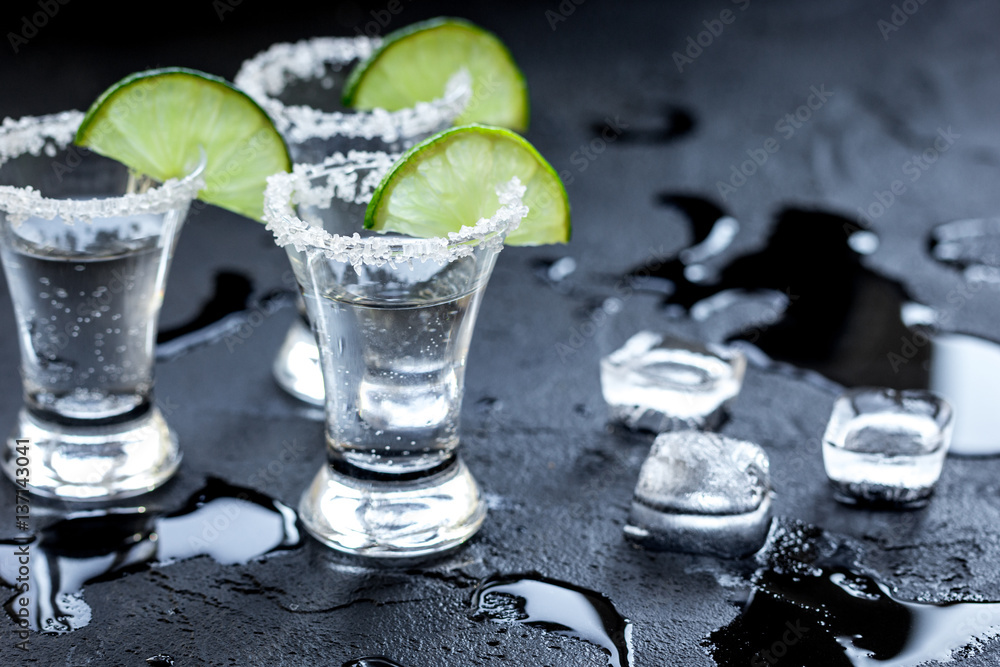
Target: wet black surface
[(839, 315), (556, 606), (823, 611), (229, 523), (377, 661), (557, 478), (674, 122), (230, 296)]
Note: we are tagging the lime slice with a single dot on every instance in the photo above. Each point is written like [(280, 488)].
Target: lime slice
[(414, 64), (450, 180), (157, 122)]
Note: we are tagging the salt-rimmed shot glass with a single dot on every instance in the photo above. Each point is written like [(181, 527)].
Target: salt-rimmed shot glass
[(86, 247), (394, 317), (299, 85)]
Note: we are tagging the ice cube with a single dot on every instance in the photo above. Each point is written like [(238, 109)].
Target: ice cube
[(702, 493), (658, 383), (972, 246), (886, 447)]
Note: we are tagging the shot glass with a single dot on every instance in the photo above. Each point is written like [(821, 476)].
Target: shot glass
[(394, 317), (886, 447), (86, 258), (300, 86)]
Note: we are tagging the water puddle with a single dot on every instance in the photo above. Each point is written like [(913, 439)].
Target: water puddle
[(228, 312), (822, 610), (160, 660), (377, 661), (231, 293), (229, 523), (838, 315), (825, 311), (558, 607)]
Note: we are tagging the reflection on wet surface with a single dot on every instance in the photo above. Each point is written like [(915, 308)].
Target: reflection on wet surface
[(675, 123), (228, 313), (232, 290), (229, 523), (818, 307), (372, 662), (558, 607), (840, 318), (822, 611)]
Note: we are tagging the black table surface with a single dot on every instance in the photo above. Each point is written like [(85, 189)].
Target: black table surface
[(632, 103)]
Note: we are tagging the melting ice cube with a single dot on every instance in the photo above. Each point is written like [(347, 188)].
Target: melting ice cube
[(659, 383), (885, 446), (702, 493)]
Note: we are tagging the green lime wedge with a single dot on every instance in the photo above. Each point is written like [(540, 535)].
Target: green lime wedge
[(157, 122), (450, 180), (414, 64)]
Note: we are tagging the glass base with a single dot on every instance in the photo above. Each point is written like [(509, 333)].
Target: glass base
[(92, 463), (296, 368), (879, 496), (393, 519)]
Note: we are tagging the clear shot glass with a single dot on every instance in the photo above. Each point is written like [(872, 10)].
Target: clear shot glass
[(299, 85), (86, 249), (394, 317)]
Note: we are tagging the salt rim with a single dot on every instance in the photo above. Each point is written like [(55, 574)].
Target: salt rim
[(51, 133), (337, 176), (265, 75)]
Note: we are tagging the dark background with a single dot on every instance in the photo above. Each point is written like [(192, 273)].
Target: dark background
[(534, 423)]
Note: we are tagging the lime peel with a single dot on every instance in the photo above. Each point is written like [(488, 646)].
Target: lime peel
[(157, 122), (339, 175), (449, 179), (266, 76), (413, 64), (35, 135)]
